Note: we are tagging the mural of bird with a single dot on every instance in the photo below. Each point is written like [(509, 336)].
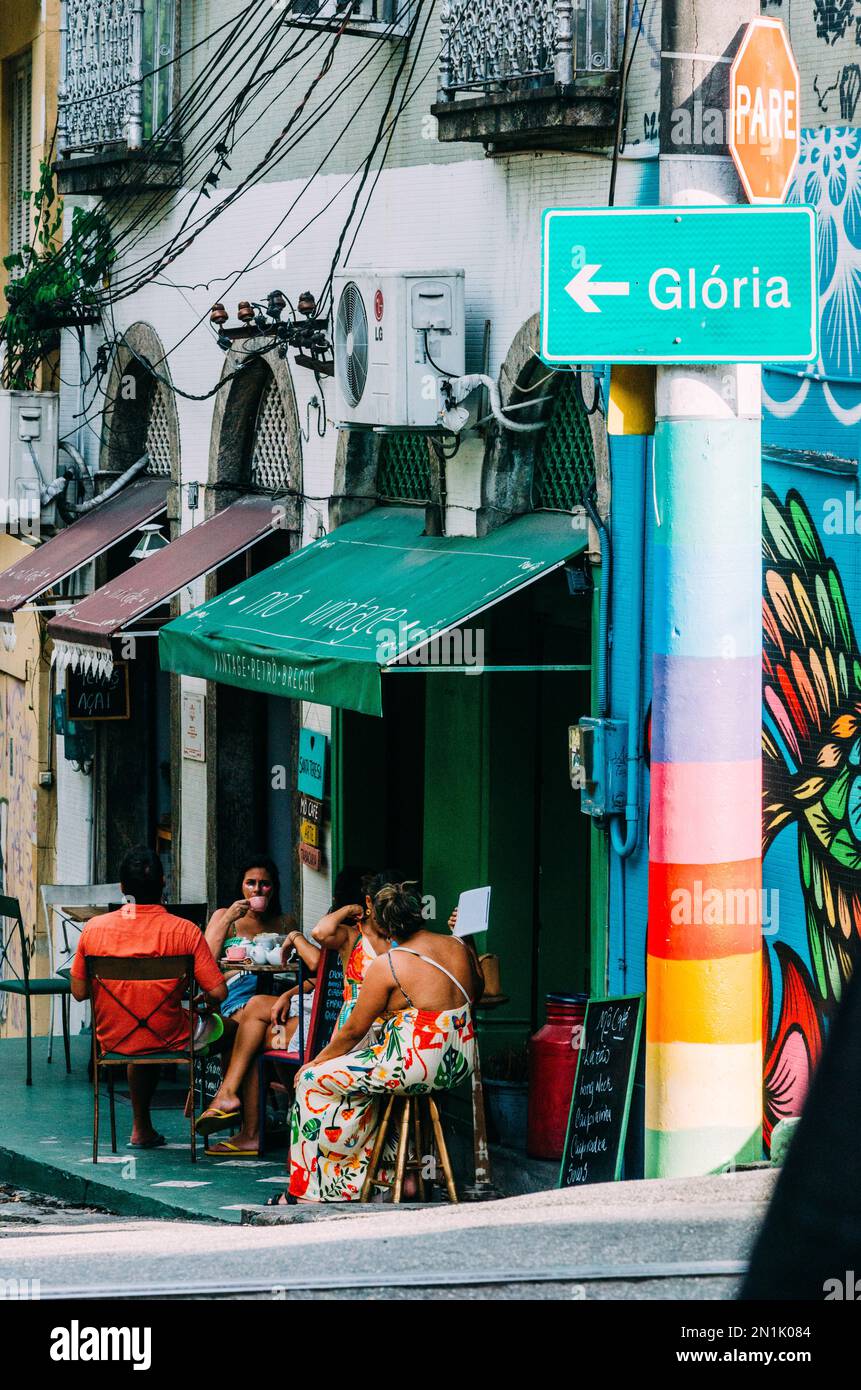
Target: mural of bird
[(812, 780), (812, 732)]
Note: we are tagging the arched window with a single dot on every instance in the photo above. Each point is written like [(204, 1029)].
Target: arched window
[(270, 466), (140, 415), (565, 455), (404, 468), (157, 440)]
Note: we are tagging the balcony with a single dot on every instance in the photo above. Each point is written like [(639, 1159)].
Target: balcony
[(116, 94), (529, 74)]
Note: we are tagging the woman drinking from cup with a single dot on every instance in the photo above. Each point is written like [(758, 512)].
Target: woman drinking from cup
[(231, 930)]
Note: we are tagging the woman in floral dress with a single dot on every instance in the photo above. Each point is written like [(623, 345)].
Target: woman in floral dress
[(423, 988)]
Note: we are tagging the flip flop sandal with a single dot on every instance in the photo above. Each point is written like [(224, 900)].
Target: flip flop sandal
[(226, 1148), (155, 1143), (275, 1200), (211, 1120)]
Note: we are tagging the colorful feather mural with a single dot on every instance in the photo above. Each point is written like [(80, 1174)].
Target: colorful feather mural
[(811, 783)]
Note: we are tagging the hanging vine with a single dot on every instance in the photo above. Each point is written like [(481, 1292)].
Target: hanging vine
[(52, 286)]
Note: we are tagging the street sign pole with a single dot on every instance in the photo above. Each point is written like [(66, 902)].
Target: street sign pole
[(704, 1002)]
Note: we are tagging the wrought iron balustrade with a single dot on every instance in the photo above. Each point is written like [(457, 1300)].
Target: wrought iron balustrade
[(116, 71), (492, 45)]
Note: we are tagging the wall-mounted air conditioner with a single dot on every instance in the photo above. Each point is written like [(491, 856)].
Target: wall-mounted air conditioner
[(28, 459), (380, 17), (398, 334)]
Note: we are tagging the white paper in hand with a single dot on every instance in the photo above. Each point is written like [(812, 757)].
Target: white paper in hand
[(473, 911)]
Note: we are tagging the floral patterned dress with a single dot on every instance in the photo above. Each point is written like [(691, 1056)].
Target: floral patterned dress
[(339, 1104), (354, 973)]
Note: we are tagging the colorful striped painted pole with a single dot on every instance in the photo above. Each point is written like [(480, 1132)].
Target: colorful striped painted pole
[(703, 974), (704, 1001)]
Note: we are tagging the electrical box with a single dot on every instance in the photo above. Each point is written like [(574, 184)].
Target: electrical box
[(28, 458), (598, 758), (398, 335)]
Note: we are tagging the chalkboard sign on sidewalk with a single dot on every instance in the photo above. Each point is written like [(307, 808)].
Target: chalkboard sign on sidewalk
[(330, 997), (601, 1100), (94, 697)]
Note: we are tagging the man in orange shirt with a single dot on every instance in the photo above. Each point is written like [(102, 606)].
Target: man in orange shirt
[(143, 1015)]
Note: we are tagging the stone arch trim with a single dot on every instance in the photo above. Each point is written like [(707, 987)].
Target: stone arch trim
[(509, 458), (233, 421), (126, 415)]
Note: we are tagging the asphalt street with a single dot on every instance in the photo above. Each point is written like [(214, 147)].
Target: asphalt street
[(639, 1240)]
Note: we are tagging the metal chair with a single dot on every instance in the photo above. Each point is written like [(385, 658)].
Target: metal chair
[(22, 983), (114, 968), (61, 950)]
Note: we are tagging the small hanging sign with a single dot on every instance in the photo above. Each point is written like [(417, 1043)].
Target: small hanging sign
[(309, 833), (311, 809), (312, 763), (311, 856)]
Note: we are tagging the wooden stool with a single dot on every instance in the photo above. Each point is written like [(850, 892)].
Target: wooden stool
[(420, 1111)]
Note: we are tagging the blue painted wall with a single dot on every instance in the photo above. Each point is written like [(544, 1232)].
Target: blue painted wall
[(812, 721)]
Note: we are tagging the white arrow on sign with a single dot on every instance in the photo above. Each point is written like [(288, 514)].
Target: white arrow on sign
[(584, 288)]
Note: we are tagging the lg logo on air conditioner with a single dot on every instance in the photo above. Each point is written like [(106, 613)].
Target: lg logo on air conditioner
[(379, 309)]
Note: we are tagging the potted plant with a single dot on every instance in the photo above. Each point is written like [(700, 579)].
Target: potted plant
[(505, 1077), (52, 286)]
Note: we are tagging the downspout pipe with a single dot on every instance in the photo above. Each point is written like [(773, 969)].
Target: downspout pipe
[(624, 845), (602, 693)]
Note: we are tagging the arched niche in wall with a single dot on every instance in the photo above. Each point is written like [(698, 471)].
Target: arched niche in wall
[(255, 446), (256, 441), (511, 457), (400, 467), (140, 415), (133, 783)]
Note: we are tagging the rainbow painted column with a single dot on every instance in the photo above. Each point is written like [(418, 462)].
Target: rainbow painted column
[(703, 998)]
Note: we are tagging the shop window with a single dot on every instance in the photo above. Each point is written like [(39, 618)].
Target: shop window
[(20, 97), (565, 456), (270, 457), (403, 471)]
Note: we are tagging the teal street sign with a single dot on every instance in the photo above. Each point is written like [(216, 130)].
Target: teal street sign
[(685, 284)]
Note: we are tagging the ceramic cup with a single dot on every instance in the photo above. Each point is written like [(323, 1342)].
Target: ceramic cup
[(236, 952), (258, 902)]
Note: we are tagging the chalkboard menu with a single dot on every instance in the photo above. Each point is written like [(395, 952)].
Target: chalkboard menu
[(330, 996), (97, 697), (598, 1122)]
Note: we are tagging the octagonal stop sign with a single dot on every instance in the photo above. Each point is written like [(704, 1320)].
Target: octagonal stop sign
[(764, 112)]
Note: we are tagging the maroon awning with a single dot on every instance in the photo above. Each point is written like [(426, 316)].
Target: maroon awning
[(79, 543), (108, 611)]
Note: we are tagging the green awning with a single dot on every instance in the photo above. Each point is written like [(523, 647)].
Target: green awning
[(322, 623)]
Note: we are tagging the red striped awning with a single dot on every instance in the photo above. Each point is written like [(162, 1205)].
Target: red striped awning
[(85, 632), (105, 526)]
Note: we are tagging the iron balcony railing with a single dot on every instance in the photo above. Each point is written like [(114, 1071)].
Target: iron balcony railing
[(116, 71), (488, 45)]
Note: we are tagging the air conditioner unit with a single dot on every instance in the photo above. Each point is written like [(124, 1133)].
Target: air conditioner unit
[(380, 16), (28, 459), (398, 334)]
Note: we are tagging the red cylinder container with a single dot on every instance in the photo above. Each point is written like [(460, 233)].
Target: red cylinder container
[(553, 1053)]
